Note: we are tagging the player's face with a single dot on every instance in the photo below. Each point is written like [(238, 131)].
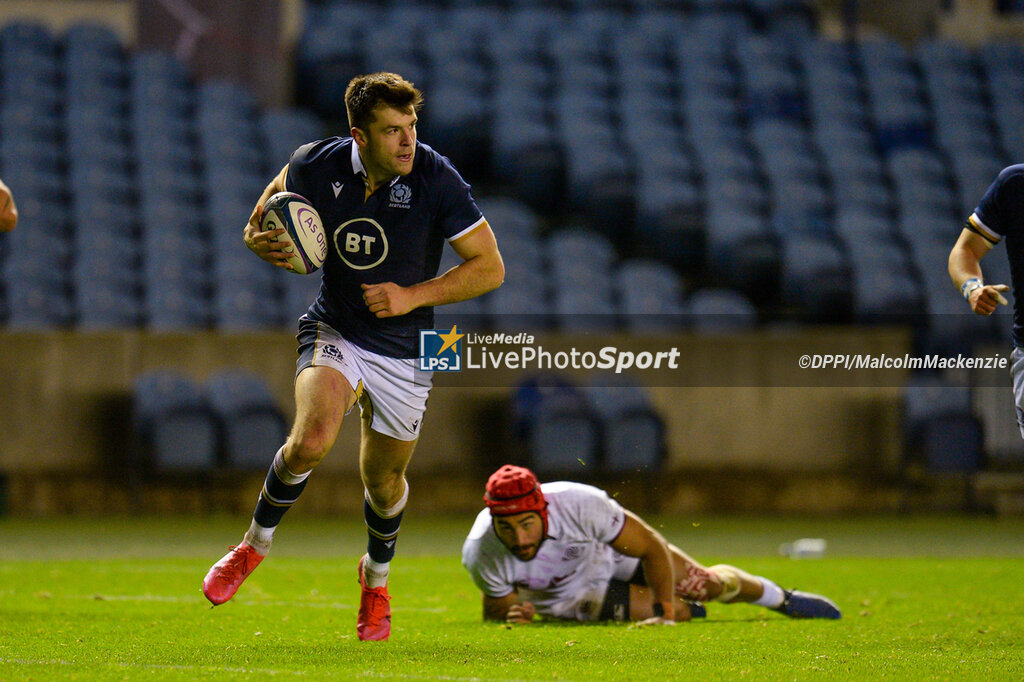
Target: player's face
[(390, 142), (521, 533)]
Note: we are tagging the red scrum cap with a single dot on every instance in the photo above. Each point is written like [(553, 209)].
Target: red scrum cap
[(514, 490)]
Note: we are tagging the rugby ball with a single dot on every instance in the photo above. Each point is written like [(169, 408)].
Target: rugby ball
[(304, 228)]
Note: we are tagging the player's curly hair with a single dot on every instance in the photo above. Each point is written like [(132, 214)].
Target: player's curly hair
[(366, 93)]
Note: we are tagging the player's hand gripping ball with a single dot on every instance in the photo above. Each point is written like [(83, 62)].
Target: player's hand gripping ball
[(304, 230)]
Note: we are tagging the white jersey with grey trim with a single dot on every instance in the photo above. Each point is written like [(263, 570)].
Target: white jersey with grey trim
[(568, 578)]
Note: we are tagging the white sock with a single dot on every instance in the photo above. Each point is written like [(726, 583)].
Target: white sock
[(772, 597), (376, 574), (259, 538)]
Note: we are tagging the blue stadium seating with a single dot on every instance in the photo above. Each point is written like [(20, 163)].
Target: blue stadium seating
[(176, 311), (581, 278), (466, 315), (172, 423), (251, 425), (682, 136), (105, 305), (816, 278), (720, 311), (632, 432), (283, 130), (941, 431), (519, 306), (556, 427), (298, 292)]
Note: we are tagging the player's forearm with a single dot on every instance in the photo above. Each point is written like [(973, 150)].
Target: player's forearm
[(495, 614), (963, 265), (657, 565), (500, 608), (469, 279)]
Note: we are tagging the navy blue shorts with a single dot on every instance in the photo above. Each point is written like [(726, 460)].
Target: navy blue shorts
[(616, 600)]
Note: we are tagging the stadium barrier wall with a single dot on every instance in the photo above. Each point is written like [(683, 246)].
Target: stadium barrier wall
[(65, 409)]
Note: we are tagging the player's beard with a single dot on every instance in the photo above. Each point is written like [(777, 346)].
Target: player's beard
[(525, 552)]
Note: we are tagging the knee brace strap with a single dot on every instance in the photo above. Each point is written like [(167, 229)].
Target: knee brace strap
[(730, 580)]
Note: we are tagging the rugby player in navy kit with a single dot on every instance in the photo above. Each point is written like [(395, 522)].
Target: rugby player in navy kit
[(1000, 213), (388, 204)]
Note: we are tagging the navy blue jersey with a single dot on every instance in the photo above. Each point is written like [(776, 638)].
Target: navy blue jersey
[(1001, 214), (395, 235)]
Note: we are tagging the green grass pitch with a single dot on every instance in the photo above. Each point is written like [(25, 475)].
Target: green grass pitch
[(937, 598)]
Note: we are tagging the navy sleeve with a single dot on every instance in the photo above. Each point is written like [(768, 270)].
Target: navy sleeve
[(305, 163), (1003, 202), (458, 213)]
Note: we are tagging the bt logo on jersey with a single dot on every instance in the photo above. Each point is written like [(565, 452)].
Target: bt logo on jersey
[(440, 350), (361, 243)]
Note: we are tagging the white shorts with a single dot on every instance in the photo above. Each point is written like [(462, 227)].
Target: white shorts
[(1017, 371), (392, 392)]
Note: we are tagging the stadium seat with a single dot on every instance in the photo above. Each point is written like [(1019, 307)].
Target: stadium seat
[(84, 39), (461, 128), (468, 315), (670, 223), (742, 252), (556, 427), (330, 52), (720, 311), (251, 424), (30, 120), (649, 295), (942, 433), (587, 308), (237, 306), (815, 278), (104, 306), (182, 309), (298, 293), (510, 217), (885, 296), (519, 305), (43, 269), (34, 307), (573, 246), (27, 36), (93, 264), (632, 432), (283, 131), (172, 423)]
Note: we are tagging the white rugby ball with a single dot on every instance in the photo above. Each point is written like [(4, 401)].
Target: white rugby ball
[(304, 228)]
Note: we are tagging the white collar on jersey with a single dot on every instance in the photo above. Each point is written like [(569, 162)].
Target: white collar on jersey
[(357, 161), (359, 169)]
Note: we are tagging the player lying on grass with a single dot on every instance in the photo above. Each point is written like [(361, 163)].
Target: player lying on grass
[(568, 550)]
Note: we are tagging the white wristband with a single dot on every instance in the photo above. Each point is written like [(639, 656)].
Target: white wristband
[(970, 285)]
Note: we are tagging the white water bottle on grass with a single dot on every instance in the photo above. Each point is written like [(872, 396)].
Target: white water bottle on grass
[(804, 548)]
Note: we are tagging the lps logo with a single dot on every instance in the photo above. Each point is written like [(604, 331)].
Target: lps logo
[(440, 351)]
